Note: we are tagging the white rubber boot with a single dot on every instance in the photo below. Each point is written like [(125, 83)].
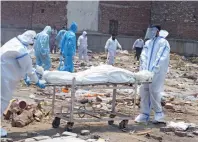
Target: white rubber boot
[(159, 118), (142, 118)]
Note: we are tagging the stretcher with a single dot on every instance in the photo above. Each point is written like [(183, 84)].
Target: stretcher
[(77, 112)]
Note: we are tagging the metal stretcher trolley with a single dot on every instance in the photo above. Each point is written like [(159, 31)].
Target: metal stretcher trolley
[(78, 112)]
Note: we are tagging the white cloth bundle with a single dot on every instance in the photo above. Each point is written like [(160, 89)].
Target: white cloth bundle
[(94, 75)]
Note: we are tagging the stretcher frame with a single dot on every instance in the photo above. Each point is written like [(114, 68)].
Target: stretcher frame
[(113, 115)]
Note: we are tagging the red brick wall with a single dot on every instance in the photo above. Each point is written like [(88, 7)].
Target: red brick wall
[(16, 14), (55, 13), (24, 14), (179, 18), (133, 17)]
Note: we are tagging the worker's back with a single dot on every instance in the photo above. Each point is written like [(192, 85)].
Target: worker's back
[(41, 43), (69, 43)]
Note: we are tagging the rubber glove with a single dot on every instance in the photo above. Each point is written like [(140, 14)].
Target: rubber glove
[(27, 81), (41, 85)]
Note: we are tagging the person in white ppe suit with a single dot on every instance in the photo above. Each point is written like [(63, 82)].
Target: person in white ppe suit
[(111, 46), (16, 63), (82, 46), (154, 58)]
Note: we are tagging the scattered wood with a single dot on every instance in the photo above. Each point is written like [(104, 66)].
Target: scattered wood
[(144, 132)]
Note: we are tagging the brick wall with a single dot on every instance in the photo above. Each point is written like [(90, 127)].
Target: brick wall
[(179, 18), (133, 17), (16, 14), (35, 15), (54, 13)]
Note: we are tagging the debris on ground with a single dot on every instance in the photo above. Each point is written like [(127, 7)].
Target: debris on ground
[(181, 133), (69, 134), (144, 132), (180, 129), (158, 138), (6, 140), (180, 101), (166, 129), (21, 113), (169, 106), (181, 126), (85, 132), (66, 136)]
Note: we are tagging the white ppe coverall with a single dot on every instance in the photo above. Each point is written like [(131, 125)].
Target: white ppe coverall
[(155, 58), (82, 46), (15, 64), (111, 47)]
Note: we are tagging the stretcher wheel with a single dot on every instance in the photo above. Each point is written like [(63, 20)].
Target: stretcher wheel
[(81, 115), (69, 126), (110, 122), (123, 124), (56, 122)]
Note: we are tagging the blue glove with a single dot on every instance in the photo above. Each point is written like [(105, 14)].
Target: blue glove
[(27, 81), (41, 85)]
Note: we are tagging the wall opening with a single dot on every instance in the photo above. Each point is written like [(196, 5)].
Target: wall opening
[(113, 27), (42, 10)]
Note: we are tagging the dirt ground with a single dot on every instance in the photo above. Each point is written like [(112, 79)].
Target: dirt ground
[(181, 82)]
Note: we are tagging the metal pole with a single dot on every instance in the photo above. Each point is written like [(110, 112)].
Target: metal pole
[(135, 97), (72, 99), (53, 99), (114, 100)]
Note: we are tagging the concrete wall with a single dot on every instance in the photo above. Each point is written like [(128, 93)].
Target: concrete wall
[(84, 13), (96, 43), (8, 33), (184, 47)]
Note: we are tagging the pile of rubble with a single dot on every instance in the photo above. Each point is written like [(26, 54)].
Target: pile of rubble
[(21, 113), (181, 129), (84, 136)]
